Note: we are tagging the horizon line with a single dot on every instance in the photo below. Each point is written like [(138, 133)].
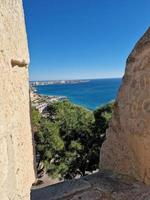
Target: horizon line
[(76, 79)]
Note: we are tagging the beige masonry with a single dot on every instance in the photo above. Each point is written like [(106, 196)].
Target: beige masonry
[(16, 150), (127, 148)]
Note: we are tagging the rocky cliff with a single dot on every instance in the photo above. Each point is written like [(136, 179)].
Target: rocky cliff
[(127, 147), (16, 151)]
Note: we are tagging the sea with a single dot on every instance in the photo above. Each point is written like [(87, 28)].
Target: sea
[(90, 94)]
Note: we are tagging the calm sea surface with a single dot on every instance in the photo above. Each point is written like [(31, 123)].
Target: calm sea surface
[(90, 94)]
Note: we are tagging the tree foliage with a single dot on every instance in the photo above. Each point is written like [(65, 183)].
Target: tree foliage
[(69, 138), (102, 117)]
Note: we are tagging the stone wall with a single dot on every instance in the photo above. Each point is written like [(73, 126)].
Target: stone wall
[(16, 151), (127, 147)]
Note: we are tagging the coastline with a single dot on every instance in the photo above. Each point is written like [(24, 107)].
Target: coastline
[(90, 95), (40, 102), (58, 82)]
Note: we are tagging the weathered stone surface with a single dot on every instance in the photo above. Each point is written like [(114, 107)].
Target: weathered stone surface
[(16, 151), (127, 147), (60, 190), (99, 186), (88, 195)]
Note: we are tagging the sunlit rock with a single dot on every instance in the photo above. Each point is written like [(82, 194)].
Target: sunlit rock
[(127, 147), (16, 151)]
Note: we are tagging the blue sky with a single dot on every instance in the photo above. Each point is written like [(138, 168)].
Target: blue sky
[(77, 39)]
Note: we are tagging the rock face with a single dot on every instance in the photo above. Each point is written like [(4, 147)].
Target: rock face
[(127, 147), (16, 150)]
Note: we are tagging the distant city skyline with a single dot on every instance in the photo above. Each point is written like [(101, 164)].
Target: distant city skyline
[(83, 39)]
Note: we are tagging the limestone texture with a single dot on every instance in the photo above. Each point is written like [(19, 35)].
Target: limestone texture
[(127, 147), (16, 150)]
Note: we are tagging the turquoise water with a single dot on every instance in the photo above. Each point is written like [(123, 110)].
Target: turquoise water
[(90, 94)]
